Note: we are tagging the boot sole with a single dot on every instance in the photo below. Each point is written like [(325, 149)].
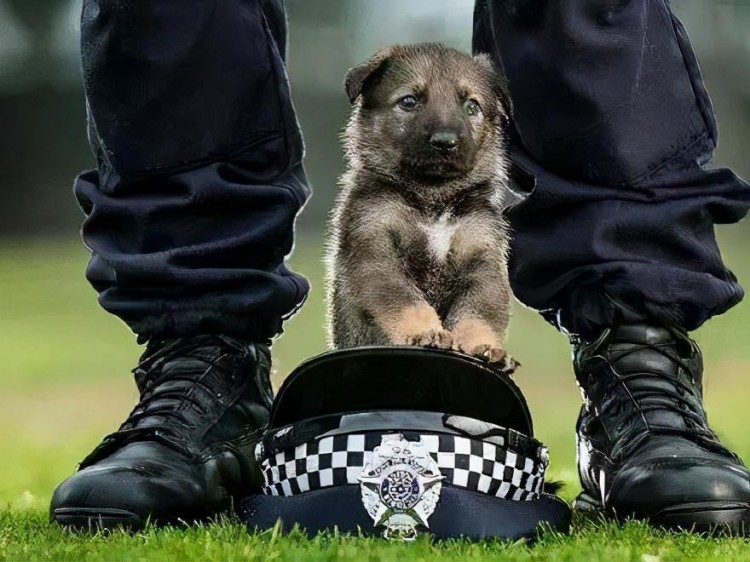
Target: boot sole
[(707, 518), (97, 519)]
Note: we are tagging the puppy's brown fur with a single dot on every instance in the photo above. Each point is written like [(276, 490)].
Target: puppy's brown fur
[(419, 243)]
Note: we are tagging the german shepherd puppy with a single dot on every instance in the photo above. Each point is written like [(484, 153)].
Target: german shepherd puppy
[(418, 247)]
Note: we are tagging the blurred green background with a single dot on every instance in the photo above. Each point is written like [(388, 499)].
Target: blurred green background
[(64, 363)]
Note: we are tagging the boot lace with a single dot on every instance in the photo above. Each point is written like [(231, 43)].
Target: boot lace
[(171, 398), (645, 392)]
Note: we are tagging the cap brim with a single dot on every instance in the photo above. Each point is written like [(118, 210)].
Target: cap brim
[(367, 379)]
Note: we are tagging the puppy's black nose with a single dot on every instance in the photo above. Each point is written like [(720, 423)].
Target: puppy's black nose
[(444, 140)]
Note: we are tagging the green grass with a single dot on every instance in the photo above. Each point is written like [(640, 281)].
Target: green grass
[(28, 535), (66, 382)]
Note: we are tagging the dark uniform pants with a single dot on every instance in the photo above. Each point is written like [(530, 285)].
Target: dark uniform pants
[(199, 177)]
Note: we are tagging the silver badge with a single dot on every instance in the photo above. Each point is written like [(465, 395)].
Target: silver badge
[(400, 486)]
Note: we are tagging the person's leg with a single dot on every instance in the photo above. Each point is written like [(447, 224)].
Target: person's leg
[(190, 215), (191, 210), (615, 244)]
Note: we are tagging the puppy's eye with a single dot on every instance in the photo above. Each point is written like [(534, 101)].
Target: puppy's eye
[(472, 108), (408, 103)]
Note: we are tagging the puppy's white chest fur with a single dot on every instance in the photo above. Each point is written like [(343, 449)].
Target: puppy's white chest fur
[(440, 233)]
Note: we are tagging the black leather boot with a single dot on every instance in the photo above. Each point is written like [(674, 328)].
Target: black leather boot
[(644, 446), (187, 449)]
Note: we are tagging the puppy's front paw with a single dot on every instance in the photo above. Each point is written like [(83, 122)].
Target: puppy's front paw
[(438, 339), (477, 338), (507, 365), (417, 325), (487, 352)]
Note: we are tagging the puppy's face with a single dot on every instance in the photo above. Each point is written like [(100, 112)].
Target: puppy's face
[(428, 113)]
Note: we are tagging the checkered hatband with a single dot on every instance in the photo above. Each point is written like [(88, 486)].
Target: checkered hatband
[(475, 465)]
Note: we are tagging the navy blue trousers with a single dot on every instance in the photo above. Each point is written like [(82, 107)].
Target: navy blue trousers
[(199, 177)]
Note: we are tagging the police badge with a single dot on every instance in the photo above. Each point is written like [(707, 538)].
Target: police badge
[(400, 486), (346, 448)]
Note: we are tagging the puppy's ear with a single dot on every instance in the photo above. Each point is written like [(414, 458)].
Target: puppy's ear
[(499, 84), (357, 77)]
